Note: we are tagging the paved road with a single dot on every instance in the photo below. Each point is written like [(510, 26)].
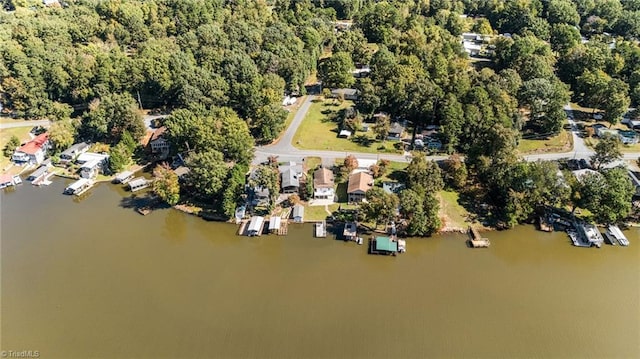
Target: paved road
[(287, 152), (44, 123)]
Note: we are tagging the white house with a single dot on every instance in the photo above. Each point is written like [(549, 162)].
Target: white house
[(74, 151), (32, 152), (323, 184), (90, 169), (90, 156)]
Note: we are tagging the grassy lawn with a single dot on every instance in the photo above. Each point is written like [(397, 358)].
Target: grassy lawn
[(317, 213), (312, 162), (318, 131), (5, 134), (452, 214), (395, 172), (561, 143)]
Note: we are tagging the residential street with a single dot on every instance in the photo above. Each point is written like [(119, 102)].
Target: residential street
[(286, 151), (44, 123)]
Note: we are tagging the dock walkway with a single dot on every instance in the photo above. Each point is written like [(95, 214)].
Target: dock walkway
[(476, 240), (321, 229)]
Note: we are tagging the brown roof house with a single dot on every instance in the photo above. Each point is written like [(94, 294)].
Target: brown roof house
[(323, 183), (159, 144), (359, 184)]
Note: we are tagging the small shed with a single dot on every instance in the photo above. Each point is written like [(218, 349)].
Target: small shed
[(255, 226), (274, 224), (344, 134), (298, 213)]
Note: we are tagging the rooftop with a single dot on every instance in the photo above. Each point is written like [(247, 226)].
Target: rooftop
[(361, 181), (386, 244), (323, 178), (157, 133), (35, 145)]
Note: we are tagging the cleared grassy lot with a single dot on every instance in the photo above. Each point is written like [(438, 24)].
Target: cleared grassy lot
[(563, 142), (319, 131)]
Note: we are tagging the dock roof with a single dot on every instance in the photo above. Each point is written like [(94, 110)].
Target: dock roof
[(77, 184), (386, 244), (256, 224), (298, 211), (274, 223)]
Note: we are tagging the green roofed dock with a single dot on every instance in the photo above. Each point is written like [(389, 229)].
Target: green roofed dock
[(383, 245)]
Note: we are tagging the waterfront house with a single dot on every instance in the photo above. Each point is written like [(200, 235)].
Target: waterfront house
[(395, 132), (359, 184), (290, 177), (91, 156), (70, 154), (347, 94), (298, 213), (274, 224), (159, 145), (32, 152), (323, 184), (90, 169), (255, 226)]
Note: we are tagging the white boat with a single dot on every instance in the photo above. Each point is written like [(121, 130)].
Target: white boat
[(615, 234), (17, 179)]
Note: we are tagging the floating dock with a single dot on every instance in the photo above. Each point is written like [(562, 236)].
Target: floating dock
[(476, 241), (79, 187), (321, 229), (256, 226)]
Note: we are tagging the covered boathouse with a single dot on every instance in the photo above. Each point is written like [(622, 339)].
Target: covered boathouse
[(383, 245)]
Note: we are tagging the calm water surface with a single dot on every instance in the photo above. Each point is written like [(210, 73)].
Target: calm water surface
[(93, 279)]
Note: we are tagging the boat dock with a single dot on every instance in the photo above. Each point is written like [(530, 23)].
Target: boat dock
[(321, 229), (383, 245), (123, 177), (615, 235), (138, 184), (585, 235), (79, 187), (475, 240), (546, 223)]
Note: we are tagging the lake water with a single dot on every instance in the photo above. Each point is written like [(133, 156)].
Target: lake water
[(92, 279)]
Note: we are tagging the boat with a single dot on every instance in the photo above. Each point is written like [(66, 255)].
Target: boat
[(143, 210), (615, 235), (17, 179)]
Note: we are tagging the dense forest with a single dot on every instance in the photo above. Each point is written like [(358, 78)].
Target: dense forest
[(223, 67)]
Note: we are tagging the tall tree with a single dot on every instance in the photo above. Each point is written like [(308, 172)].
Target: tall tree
[(335, 71), (423, 175), (165, 184), (607, 151), (208, 173)]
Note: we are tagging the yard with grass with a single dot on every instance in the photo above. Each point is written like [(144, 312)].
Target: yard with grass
[(318, 213), (5, 134), (319, 131), (395, 172), (452, 214), (563, 142)]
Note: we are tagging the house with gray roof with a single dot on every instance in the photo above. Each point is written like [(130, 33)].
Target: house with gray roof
[(291, 175)]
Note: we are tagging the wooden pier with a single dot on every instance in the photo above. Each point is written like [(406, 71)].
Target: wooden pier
[(475, 240), (321, 229), (243, 226)]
